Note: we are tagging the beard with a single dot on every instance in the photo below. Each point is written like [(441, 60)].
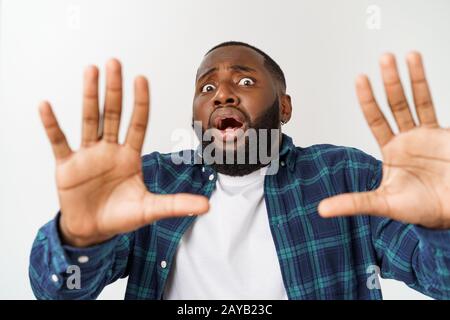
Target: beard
[(250, 152)]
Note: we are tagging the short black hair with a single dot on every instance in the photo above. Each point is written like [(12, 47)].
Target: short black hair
[(269, 63)]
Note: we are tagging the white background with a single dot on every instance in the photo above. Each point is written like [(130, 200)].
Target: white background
[(321, 46)]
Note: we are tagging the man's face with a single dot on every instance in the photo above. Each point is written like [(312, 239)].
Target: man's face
[(233, 90)]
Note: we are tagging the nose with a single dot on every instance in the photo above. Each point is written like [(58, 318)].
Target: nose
[(225, 96)]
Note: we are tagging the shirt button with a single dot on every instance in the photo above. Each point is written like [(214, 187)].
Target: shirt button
[(54, 278), (282, 163), (83, 259), (211, 177), (163, 264), (203, 169)]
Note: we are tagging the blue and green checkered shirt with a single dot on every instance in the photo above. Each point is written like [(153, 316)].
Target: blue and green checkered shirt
[(336, 258)]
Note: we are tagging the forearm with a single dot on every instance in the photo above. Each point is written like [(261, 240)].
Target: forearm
[(417, 256), (58, 271), (432, 262)]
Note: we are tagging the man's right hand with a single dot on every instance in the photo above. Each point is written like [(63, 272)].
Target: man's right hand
[(100, 186)]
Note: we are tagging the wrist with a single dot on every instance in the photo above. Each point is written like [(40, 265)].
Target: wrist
[(68, 238)]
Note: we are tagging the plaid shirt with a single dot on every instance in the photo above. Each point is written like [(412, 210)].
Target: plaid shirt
[(336, 258)]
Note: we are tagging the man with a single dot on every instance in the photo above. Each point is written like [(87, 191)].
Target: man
[(264, 236)]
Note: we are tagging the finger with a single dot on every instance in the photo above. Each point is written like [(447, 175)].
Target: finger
[(113, 101), (90, 107), (139, 119), (350, 204), (421, 92), (395, 94), (375, 118), (60, 147), (158, 206)]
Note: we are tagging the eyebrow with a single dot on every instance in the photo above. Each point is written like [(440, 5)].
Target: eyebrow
[(236, 67)]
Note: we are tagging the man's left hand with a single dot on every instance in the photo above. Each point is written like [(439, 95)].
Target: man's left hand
[(415, 186)]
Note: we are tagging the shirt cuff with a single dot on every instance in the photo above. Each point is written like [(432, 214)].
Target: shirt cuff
[(63, 256)]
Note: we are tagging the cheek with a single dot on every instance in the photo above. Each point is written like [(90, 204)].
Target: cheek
[(201, 111), (257, 105)]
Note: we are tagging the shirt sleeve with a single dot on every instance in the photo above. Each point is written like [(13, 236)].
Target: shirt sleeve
[(58, 271), (417, 256)]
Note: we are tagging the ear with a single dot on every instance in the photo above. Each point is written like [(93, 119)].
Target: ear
[(285, 107)]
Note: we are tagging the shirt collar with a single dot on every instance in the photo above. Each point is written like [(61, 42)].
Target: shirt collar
[(288, 152)]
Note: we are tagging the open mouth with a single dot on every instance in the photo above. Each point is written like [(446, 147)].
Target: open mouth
[(228, 123), (230, 126)]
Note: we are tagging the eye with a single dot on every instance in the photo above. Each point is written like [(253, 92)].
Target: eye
[(246, 82), (208, 87)]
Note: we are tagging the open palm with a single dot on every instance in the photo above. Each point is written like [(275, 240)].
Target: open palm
[(415, 187), (100, 186)]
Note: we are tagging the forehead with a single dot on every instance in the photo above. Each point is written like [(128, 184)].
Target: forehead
[(232, 55)]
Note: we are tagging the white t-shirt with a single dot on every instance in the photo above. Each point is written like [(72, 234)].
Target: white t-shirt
[(229, 253)]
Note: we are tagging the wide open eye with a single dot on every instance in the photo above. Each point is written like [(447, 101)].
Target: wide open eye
[(246, 82), (208, 87)]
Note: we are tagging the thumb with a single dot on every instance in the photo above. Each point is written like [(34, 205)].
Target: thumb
[(160, 206), (351, 204)]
